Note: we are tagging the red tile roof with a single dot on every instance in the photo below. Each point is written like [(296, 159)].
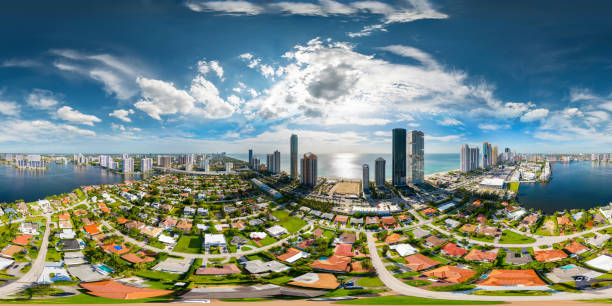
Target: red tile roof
[(115, 290), (418, 262), (452, 249), (451, 274), (549, 255), (22, 239), (512, 278), (478, 255)]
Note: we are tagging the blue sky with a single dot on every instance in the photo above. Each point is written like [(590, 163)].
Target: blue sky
[(209, 76)]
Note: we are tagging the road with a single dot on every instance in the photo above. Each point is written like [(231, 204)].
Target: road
[(33, 275), (398, 286), (142, 244)]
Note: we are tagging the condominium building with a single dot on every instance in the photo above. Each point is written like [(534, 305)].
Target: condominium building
[(309, 169), (251, 158), (486, 155), (365, 181), (146, 165), (416, 157), (469, 158), (165, 161), (128, 165), (293, 143), (273, 162), (398, 164), (379, 172)]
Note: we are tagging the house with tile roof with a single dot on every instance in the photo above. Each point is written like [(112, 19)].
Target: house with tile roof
[(499, 277), (453, 250), (549, 255), (116, 290), (419, 262), (482, 256), (450, 274), (334, 263)]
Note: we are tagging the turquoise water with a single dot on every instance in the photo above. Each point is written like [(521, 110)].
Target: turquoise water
[(568, 267), (105, 268), (348, 165), (322, 258)]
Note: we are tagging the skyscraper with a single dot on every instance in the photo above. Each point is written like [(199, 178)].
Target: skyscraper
[(146, 165), (486, 155), (494, 156), (165, 161), (251, 158), (365, 181), (293, 143), (379, 172), (273, 162), (309, 170), (416, 157), (469, 158), (128, 165), (398, 163)]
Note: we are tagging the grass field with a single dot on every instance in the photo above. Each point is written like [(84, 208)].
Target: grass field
[(370, 282), (412, 300), (512, 292), (291, 223), (514, 186), (85, 299), (189, 244), (511, 237)]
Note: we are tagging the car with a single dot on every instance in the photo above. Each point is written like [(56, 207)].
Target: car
[(581, 278), (349, 284)]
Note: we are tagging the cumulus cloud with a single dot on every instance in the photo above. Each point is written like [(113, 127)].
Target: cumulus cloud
[(163, 98), (9, 108), (534, 115), (327, 83), (204, 67), (122, 114), (42, 99), (68, 114)]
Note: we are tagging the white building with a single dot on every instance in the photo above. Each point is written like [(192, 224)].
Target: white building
[(128, 165), (146, 165), (277, 230), (214, 240), (492, 183), (404, 249)]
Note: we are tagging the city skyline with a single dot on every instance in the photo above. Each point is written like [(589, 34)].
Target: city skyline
[(543, 90)]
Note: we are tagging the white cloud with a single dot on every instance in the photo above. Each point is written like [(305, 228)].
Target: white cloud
[(204, 67), (414, 53), (23, 63), (582, 94), (449, 122), (39, 131), (402, 11), (9, 108), (122, 114), (331, 84), (493, 126), (207, 93), (246, 56), (162, 98), (42, 99), (230, 7), (383, 133), (116, 74), (535, 115), (443, 138), (68, 114)]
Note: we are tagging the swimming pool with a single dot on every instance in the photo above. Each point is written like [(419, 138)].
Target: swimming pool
[(323, 258), (105, 268), (570, 266)]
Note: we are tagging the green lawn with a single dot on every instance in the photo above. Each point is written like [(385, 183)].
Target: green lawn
[(412, 300), (53, 255), (372, 281), (291, 223), (514, 186), (189, 244), (157, 275), (85, 299), (511, 237), (417, 282), (351, 292)]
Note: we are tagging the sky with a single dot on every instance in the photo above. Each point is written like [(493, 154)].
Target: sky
[(225, 76)]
